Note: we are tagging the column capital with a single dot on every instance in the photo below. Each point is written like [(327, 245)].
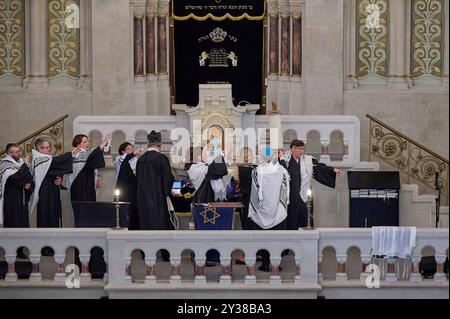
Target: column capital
[(272, 8), (151, 9), (163, 8), (283, 7), (295, 9), (138, 8)]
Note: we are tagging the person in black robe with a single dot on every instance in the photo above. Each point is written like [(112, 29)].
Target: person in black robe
[(245, 183), (210, 181), (154, 185), (127, 182), (84, 179), (302, 168), (16, 187), (48, 172)]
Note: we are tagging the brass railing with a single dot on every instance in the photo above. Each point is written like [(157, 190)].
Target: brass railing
[(408, 156), (54, 132)]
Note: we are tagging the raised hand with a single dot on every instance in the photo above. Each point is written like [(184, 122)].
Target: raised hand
[(58, 180)]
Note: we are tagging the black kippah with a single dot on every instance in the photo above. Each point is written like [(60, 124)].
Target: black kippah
[(154, 137)]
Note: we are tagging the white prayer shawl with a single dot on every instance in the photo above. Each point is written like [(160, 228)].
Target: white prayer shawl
[(197, 173), (133, 162), (269, 195), (8, 167), (393, 241), (39, 168), (306, 171), (118, 163)]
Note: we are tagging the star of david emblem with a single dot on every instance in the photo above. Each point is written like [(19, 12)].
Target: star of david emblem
[(212, 219)]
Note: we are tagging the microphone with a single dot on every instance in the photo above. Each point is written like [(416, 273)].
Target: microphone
[(436, 180)]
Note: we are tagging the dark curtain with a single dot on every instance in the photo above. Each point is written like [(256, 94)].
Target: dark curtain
[(243, 37)]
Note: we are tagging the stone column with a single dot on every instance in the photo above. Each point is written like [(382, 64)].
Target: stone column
[(11, 275), (319, 270), (296, 42), (446, 44), (398, 39), (225, 277), (106, 274), (162, 67), (341, 275), (151, 85), (84, 79), (150, 45), (250, 278), (391, 273), (35, 274), (365, 259), (128, 277), (138, 39), (273, 58), (324, 157), (162, 36), (350, 11), (60, 274), (285, 69), (273, 37), (200, 277), (440, 275), (38, 45), (150, 278), (85, 275), (175, 277), (275, 278), (415, 274), (298, 275)]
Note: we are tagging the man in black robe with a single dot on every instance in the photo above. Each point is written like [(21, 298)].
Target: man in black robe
[(302, 168), (85, 179), (154, 185), (16, 186), (47, 174), (245, 183), (126, 180)]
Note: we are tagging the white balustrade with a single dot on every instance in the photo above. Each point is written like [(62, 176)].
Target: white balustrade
[(307, 247)]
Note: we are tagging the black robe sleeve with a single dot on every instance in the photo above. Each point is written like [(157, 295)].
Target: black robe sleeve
[(167, 176), (21, 177), (61, 165), (283, 163), (95, 160), (216, 170), (324, 174)]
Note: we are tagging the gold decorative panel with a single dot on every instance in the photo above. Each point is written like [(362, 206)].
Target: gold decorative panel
[(63, 39), (426, 38), (11, 38), (372, 38)]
